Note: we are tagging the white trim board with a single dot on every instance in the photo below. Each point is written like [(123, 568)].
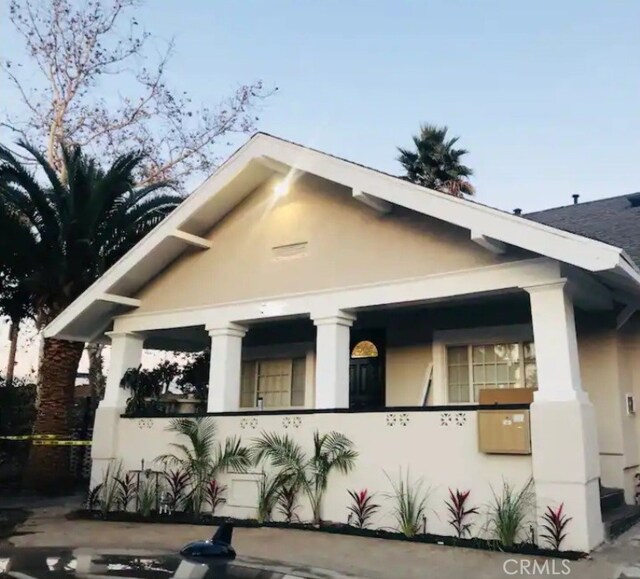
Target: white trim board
[(263, 158), (508, 276)]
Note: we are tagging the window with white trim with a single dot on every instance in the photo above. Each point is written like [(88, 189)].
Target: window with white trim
[(473, 367), (279, 383)]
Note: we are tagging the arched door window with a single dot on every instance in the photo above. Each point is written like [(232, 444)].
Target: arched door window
[(364, 349)]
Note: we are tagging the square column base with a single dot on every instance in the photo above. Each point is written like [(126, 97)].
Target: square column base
[(566, 469)]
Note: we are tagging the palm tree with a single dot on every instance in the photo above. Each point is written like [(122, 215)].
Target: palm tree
[(67, 233), (202, 458), (435, 163), (311, 473)]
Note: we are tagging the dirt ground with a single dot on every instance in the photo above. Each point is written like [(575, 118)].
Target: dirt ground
[(47, 526)]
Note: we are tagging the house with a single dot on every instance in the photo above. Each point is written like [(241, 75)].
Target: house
[(336, 297)]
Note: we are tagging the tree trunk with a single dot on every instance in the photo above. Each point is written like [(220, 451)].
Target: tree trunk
[(48, 466), (14, 330), (96, 372)]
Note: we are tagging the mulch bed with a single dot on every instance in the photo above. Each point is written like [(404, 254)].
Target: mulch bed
[(327, 527)]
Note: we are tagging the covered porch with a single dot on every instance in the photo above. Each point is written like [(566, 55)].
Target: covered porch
[(425, 346)]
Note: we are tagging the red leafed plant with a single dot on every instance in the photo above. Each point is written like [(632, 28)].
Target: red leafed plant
[(177, 482), (214, 495), (457, 507), (362, 507), (555, 523)]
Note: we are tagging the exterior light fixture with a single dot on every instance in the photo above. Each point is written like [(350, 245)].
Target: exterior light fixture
[(281, 188)]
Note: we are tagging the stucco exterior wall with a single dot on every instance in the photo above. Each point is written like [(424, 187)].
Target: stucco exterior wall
[(609, 370), (443, 454), (317, 237), (405, 374)]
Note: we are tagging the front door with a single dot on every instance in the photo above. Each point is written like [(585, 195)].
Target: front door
[(366, 371)]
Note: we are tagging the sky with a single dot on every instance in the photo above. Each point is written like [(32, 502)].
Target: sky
[(544, 94)]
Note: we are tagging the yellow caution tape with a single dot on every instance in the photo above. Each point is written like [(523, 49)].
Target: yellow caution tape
[(34, 437), (62, 442)]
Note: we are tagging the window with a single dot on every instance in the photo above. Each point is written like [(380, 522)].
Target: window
[(280, 383), (471, 368), (364, 349)]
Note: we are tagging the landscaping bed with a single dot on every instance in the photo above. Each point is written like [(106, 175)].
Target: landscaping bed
[(327, 527)]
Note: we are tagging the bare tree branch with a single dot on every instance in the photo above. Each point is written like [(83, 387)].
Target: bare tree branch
[(81, 47)]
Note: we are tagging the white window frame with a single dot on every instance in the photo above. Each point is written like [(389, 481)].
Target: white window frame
[(442, 339)]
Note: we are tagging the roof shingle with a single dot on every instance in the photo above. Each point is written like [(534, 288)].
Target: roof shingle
[(614, 221)]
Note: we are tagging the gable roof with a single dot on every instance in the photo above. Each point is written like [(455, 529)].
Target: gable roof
[(615, 220), (265, 156)]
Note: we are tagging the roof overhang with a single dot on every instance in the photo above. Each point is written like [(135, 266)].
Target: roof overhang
[(264, 157)]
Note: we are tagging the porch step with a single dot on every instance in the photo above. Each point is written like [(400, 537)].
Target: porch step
[(619, 519), (610, 499)]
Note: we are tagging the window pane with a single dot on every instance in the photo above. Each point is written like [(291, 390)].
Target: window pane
[(529, 351), (247, 385), (530, 376), (274, 382), (457, 355), (364, 349), (478, 374), (298, 382), (458, 393), (478, 354), (458, 373)]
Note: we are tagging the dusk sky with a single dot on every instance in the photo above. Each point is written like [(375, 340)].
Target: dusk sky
[(544, 94)]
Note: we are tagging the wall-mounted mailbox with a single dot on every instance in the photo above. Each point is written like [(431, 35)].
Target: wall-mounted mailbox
[(504, 432)]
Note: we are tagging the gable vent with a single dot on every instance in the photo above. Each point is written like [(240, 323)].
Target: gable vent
[(634, 199), (290, 251)]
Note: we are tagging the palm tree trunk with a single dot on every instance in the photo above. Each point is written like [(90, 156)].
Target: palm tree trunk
[(14, 330), (48, 466), (96, 372)]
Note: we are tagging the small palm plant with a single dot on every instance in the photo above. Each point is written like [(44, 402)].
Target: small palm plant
[(288, 501), (509, 510), (147, 494), (310, 473), (459, 511), (268, 492), (202, 458), (106, 494), (410, 505), (362, 508)]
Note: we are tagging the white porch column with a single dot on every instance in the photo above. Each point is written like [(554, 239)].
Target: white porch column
[(226, 367), (563, 427), (126, 352), (332, 360)]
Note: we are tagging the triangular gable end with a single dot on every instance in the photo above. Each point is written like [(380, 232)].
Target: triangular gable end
[(264, 157)]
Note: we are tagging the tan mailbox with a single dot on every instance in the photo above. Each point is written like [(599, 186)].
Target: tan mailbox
[(504, 431)]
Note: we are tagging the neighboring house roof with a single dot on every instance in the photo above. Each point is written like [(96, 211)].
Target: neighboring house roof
[(615, 221), (265, 156)]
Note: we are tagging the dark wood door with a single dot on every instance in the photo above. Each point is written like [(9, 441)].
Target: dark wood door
[(366, 371)]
